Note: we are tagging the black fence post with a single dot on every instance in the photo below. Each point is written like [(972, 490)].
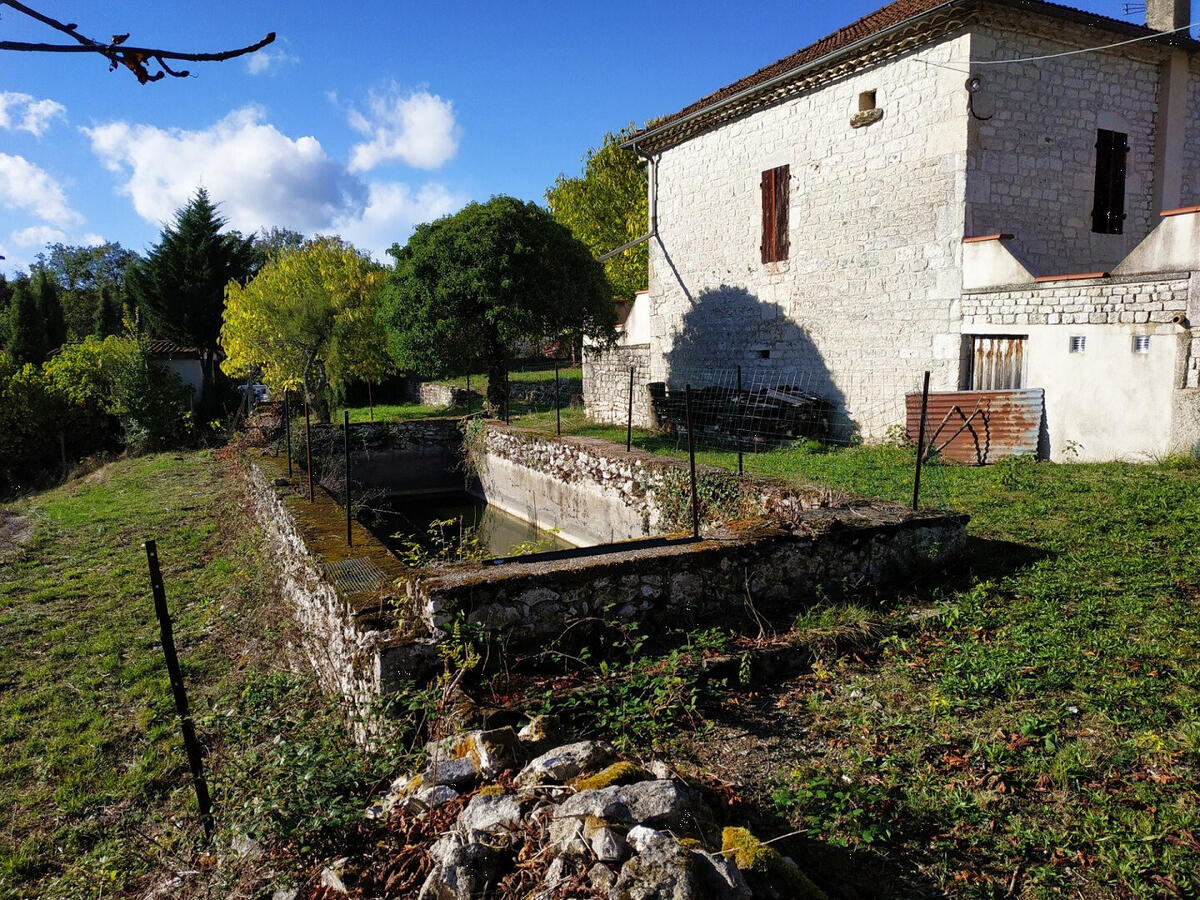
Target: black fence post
[(287, 430), (687, 403), (557, 404), (308, 447), (629, 416), (346, 446), (507, 398), (741, 420), (191, 745), (921, 443)]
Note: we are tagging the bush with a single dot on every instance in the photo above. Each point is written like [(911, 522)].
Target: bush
[(92, 397)]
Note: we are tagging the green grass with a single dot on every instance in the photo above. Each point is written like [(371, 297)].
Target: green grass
[(95, 793), (389, 412), (479, 382), (1042, 731)]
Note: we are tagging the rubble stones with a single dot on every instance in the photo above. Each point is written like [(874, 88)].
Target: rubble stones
[(628, 840), (565, 763)]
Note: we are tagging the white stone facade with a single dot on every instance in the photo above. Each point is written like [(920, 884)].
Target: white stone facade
[(876, 218), (872, 293)]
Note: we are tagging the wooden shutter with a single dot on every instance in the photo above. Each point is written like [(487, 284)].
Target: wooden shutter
[(775, 184), (1108, 209)]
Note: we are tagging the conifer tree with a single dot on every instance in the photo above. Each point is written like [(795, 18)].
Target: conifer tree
[(49, 306), (180, 287), (27, 331), (107, 318)]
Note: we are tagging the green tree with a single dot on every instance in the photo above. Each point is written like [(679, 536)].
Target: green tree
[(108, 315), (83, 274), (180, 287), (473, 285), (605, 208), (309, 319), (26, 329), (49, 303)]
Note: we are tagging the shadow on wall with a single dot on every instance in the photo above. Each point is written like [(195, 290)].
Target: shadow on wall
[(728, 326)]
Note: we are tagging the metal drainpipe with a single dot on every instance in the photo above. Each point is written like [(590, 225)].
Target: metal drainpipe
[(653, 232)]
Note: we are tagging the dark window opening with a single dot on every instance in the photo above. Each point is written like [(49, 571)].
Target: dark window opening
[(866, 101), (775, 183), (1108, 210)]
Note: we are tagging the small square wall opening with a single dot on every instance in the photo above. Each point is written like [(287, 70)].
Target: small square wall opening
[(866, 101), (764, 354), (1078, 343), (1141, 343)]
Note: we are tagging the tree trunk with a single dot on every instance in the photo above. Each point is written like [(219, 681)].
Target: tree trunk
[(497, 389)]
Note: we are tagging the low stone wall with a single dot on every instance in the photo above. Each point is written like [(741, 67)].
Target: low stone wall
[(439, 396), (348, 635), (606, 384), (594, 492), (535, 393), (735, 577)]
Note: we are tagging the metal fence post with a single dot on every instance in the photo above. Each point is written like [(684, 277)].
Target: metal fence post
[(687, 403), (191, 745), (287, 430), (921, 443), (557, 404), (507, 398), (629, 416), (308, 447), (346, 445)]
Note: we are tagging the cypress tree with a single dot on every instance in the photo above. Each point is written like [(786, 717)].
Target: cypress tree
[(49, 305), (180, 287), (107, 318), (27, 331)]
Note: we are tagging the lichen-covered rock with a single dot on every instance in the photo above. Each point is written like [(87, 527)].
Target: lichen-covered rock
[(767, 873), (719, 878), (608, 845), (488, 813), (660, 871), (618, 773), (459, 774), (464, 872), (601, 878), (541, 731), (560, 765), (658, 803), (492, 751)]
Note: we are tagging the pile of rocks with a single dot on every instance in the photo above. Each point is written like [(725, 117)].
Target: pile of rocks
[(520, 816)]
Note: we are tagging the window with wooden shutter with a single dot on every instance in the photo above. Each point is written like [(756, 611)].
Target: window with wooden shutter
[(775, 184), (1108, 210)]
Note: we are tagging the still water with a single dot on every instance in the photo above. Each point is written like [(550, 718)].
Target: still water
[(440, 523)]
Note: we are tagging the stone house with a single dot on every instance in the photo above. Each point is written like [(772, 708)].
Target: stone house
[(1000, 192)]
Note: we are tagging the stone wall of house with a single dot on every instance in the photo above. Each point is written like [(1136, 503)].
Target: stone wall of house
[(1108, 301), (1032, 164), (1107, 399), (867, 299), (606, 384), (1190, 191)]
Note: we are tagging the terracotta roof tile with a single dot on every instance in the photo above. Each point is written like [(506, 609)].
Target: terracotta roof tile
[(883, 19)]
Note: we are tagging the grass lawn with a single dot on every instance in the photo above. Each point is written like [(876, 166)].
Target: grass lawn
[(1039, 735), (94, 787)]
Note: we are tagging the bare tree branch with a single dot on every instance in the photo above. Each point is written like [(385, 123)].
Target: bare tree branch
[(117, 53)]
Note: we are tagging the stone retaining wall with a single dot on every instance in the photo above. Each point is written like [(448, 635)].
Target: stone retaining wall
[(606, 384), (594, 492)]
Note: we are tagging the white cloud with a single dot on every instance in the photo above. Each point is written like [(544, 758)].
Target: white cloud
[(260, 176), (21, 112), (416, 128), (91, 239), (393, 209), (37, 235), (26, 187), (263, 62)]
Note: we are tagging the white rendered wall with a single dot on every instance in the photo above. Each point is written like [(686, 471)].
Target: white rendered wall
[(1106, 402), (868, 298)]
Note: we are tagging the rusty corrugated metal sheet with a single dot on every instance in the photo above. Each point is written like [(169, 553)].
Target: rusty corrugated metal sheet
[(978, 427)]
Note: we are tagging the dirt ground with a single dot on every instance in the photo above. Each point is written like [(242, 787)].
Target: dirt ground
[(15, 532)]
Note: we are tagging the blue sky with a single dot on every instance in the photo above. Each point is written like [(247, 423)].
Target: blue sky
[(362, 118)]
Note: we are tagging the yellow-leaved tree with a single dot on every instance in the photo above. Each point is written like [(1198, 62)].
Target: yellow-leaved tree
[(307, 321)]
